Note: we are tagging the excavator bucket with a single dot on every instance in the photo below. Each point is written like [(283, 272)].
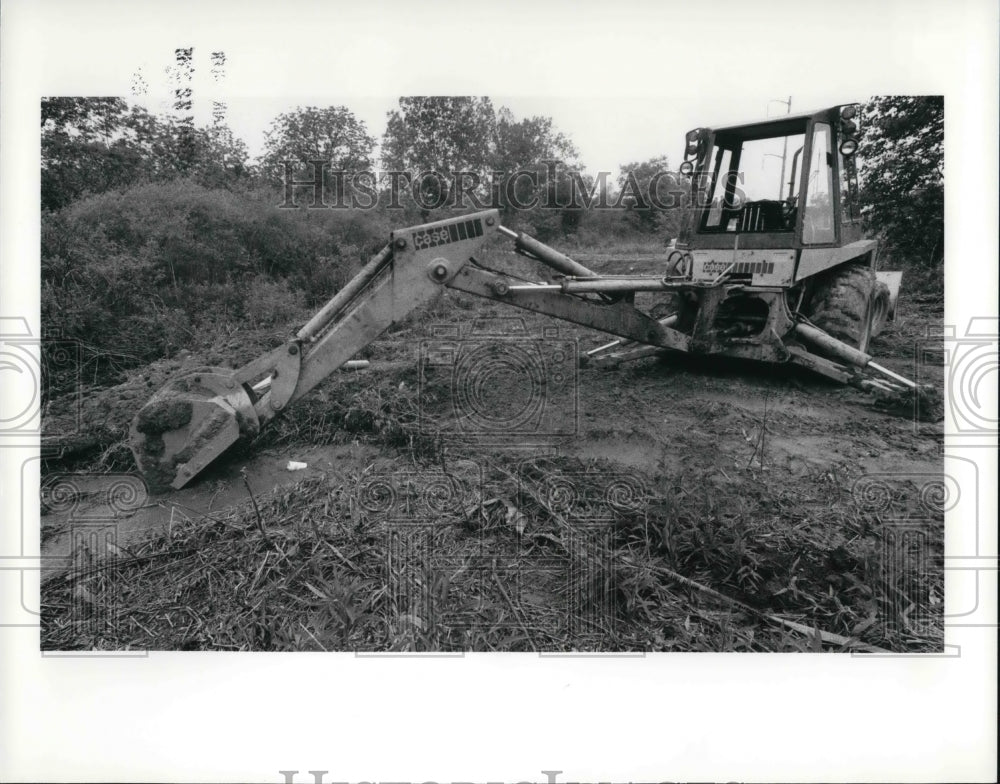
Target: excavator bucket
[(188, 423)]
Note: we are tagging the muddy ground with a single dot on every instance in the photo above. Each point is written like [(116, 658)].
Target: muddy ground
[(667, 504)]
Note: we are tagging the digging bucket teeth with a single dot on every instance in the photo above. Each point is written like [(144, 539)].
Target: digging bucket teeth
[(188, 423)]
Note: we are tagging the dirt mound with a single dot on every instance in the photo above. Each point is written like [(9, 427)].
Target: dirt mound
[(90, 427)]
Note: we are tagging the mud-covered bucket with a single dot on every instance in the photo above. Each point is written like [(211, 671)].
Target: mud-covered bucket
[(188, 423)]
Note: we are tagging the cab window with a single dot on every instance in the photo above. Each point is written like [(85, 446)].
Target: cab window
[(850, 211), (751, 185), (817, 216)]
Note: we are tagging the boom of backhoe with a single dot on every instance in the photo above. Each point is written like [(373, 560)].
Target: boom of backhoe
[(196, 417)]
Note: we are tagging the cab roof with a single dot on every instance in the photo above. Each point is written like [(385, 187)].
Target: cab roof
[(775, 126)]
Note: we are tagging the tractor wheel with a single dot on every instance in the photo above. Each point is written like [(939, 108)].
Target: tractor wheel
[(843, 304)]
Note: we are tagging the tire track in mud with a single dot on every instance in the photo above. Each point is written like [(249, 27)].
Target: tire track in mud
[(793, 428)]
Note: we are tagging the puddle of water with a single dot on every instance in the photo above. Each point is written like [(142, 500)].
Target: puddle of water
[(216, 491)]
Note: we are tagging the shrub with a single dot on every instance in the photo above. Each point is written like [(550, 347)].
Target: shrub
[(142, 270)]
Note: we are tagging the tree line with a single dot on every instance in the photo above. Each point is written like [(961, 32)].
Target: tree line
[(94, 145), (156, 232)]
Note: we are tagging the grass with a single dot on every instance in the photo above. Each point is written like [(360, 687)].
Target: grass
[(501, 553), (485, 558)]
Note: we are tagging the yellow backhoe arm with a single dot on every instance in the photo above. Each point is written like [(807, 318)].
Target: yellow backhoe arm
[(195, 418)]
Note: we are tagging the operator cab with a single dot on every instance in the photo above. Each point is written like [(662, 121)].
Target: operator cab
[(784, 183)]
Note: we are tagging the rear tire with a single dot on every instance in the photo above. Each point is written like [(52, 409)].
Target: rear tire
[(842, 304)]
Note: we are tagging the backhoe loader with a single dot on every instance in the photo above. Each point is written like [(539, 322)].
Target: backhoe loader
[(771, 266)]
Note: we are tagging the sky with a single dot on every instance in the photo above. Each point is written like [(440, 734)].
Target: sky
[(614, 111), (608, 130), (625, 82)]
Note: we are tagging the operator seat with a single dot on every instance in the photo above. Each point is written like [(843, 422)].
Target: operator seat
[(761, 216)]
